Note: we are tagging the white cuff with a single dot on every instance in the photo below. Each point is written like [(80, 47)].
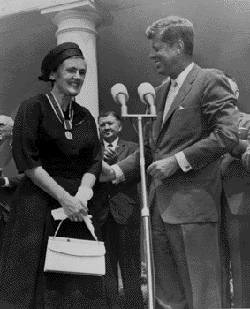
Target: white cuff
[(84, 193), (182, 161), (7, 182), (119, 175)]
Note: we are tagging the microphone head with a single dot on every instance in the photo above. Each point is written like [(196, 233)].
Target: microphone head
[(119, 89), (145, 88)]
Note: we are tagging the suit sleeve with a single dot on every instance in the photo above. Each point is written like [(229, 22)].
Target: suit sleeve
[(240, 149), (95, 166), (14, 181), (130, 166), (134, 174), (220, 121)]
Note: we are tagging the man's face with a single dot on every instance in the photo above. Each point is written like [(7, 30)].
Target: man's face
[(164, 56), (70, 76), (6, 125), (109, 128)]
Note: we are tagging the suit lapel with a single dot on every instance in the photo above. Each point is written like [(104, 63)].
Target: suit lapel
[(182, 93), (162, 96), (120, 147)]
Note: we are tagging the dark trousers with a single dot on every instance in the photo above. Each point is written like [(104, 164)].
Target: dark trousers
[(122, 242), (187, 264), (235, 239)]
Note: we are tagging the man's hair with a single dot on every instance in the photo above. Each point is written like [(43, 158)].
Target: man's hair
[(110, 113), (171, 29)]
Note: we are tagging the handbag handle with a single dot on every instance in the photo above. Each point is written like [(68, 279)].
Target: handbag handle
[(59, 225)]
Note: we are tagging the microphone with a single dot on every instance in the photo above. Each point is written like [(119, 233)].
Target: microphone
[(120, 95), (147, 95)]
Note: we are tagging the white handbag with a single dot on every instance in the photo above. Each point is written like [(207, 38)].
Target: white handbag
[(74, 256)]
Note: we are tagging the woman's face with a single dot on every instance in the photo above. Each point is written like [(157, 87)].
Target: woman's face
[(70, 76)]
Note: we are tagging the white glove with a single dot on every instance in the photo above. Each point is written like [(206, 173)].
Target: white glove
[(84, 194), (59, 214)]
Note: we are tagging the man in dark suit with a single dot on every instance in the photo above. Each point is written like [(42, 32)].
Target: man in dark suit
[(118, 208), (8, 185), (196, 124), (236, 216), (6, 125)]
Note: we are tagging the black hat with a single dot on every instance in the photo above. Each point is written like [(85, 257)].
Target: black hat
[(56, 56)]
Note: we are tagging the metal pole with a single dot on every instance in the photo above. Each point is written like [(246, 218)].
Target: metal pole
[(146, 221), (145, 208)]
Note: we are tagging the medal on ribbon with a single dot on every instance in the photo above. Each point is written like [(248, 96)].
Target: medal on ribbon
[(68, 134), (67, 123)]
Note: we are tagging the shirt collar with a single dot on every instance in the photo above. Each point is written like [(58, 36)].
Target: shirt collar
[(114, 143), (182, 76)]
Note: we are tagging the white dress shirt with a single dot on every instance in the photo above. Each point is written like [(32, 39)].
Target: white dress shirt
[(114, 144), (174, 88), (173, 91)]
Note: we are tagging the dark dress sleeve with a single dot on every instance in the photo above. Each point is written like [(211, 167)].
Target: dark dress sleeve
[(95, 167), (25, 135)]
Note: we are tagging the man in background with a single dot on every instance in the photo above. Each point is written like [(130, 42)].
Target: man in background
[(118, 208), (8, 185), (235, 219)]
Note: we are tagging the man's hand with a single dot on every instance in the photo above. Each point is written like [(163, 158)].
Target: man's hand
[(110, 155), (163, 168)]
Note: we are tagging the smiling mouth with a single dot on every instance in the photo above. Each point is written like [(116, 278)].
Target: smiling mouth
[(75, 85)]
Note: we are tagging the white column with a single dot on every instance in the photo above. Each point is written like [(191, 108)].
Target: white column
[(79, 25)]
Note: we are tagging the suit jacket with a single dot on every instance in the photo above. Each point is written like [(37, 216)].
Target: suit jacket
[(6, 195), (122, 199), (203, 123), (5, 151)]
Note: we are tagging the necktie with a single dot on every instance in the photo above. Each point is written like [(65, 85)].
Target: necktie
[(170, 98), (111, 161)]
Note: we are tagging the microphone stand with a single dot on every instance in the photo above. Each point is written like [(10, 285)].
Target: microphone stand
[(145, 208)]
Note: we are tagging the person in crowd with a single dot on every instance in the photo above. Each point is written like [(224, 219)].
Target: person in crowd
[(6, 125), (236, 216), (196, 124), (8, 185), (119, 212), (56, 145)]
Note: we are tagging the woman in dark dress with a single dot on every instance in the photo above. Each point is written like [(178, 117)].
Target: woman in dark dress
[(55, 143)]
